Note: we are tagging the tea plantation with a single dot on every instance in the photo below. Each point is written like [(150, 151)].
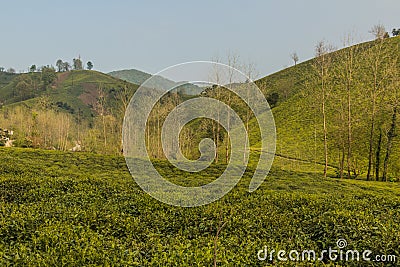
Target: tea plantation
[(80, 209)]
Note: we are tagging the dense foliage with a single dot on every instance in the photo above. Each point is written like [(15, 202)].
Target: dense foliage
[(81, 209)]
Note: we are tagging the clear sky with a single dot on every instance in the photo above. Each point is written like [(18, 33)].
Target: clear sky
[(152, 35)]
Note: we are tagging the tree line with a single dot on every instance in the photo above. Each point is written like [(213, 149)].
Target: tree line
[(352, 94), (357, 94), (55, 125), (61, 65), (76, 65)]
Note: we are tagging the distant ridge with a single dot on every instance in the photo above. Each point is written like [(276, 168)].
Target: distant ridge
[(139, 77)]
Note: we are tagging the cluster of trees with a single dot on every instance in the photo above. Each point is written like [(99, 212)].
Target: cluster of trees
[(61, 66), (198, 129), (353, 93), (358, 94), (47, 126), (9, 70), (76, 65), (29, 85), (380, 32)]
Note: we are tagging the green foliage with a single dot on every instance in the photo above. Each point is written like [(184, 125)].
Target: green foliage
[(74, 92), (23, 142), (6, 78), (89, 65), (273, 99), (80, 209), (32, 68), (77, 64), (48, 76), (298, 115)]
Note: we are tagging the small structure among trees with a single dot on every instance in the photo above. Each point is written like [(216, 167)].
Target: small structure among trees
[(5, 136), (77, 63)]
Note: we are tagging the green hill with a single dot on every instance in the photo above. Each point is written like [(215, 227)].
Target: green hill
[(77, 107), (80, 90), (298, 115), (135, 76), (95, 105), (6, 78), (71, 91)]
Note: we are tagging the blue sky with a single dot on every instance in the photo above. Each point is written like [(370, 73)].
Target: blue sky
[(152, 35)]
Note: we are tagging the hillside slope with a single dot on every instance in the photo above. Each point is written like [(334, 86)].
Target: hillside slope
[(71, 91), (6, 78), (298, 115), (79, 110)]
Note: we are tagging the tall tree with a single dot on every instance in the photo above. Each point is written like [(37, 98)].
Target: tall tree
[(66, 66), (294, 57), (122, 96), (322, 65), (346, 81), (48, 76), (377, 58), (251, 74), (77, 63), (101, 110), (89, 65), (60, 65), (232, 63)]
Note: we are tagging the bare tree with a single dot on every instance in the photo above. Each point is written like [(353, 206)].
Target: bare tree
[(378, 31), (232, 63), (378, 59), (347, 83), (101, 110), (322, 66), (216, 126), (251, 74), (294, 57)]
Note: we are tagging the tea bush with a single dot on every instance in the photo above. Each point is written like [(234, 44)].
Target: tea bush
[(80, 209)]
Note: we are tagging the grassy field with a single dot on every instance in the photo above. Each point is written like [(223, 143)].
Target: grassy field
[(86, 210)]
